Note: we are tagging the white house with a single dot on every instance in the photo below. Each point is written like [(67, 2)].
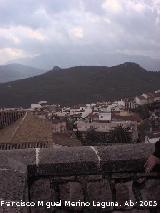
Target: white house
[(152, 139), (157, 96), (87, 111), (104, 116), (121, 103), (141, 100), (35, 106), (42, 102)]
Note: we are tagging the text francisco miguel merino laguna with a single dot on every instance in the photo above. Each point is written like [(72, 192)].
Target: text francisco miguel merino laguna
[(50, 204)]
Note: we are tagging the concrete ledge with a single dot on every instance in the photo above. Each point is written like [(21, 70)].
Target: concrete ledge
[(20, 169), (78, 160), (124, 158), (30, 174), (17, 159), (68, 161)]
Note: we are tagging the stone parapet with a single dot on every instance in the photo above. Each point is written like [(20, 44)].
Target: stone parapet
[(92, 175)]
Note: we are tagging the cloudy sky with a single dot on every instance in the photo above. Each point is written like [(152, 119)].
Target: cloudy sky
[(30, 28)]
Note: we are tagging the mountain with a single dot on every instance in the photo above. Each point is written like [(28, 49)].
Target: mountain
[(11, 72), (82, 84), (70, 59)]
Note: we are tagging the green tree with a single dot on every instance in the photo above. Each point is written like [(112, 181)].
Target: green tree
[(92, 137), (119, 135)]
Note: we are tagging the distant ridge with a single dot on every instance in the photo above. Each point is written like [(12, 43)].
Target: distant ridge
[(11, 72), (81, 84), (70, 59)]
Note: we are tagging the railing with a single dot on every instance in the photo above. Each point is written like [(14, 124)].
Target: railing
[(9, 117), (24, 145)]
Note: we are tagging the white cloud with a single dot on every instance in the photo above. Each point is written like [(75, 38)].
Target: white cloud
[(77, 32), (155, 6), (27, 32), (112, 5), (136, 6), (11, 54), (120, 6), (19, 33), (33, 34), (107, 20), (8, 34), (77, 25)]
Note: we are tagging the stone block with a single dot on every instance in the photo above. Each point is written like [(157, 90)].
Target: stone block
[(71, 191), (151, 190), (99, 192), (40, 190), (124, 193), (12, 184)]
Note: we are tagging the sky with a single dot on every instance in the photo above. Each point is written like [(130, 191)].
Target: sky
[(29, 28)]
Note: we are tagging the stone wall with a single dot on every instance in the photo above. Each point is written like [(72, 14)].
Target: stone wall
[(111, 177)]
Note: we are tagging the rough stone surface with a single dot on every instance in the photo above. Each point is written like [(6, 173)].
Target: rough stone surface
[(122, 193), (68, 160), (73, 192), (99, 191), (40, 190), (151, 190), (12, 210), (114, 158), (79, 173), (17, 158), (12, 185)]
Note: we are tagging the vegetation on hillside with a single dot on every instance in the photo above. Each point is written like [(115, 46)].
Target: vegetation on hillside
[(83, 84)]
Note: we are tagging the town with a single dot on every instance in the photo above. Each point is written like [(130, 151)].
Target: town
[(129, 120), (79, 106)]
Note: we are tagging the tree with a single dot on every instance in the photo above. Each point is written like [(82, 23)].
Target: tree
[(92, 137), (119, 135), (144, 129), (143, 111)]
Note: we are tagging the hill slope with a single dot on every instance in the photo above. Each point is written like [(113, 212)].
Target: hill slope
[(11, 72), (80, 85)]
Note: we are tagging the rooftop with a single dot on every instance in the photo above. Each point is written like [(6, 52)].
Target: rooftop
[(29, 128)]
